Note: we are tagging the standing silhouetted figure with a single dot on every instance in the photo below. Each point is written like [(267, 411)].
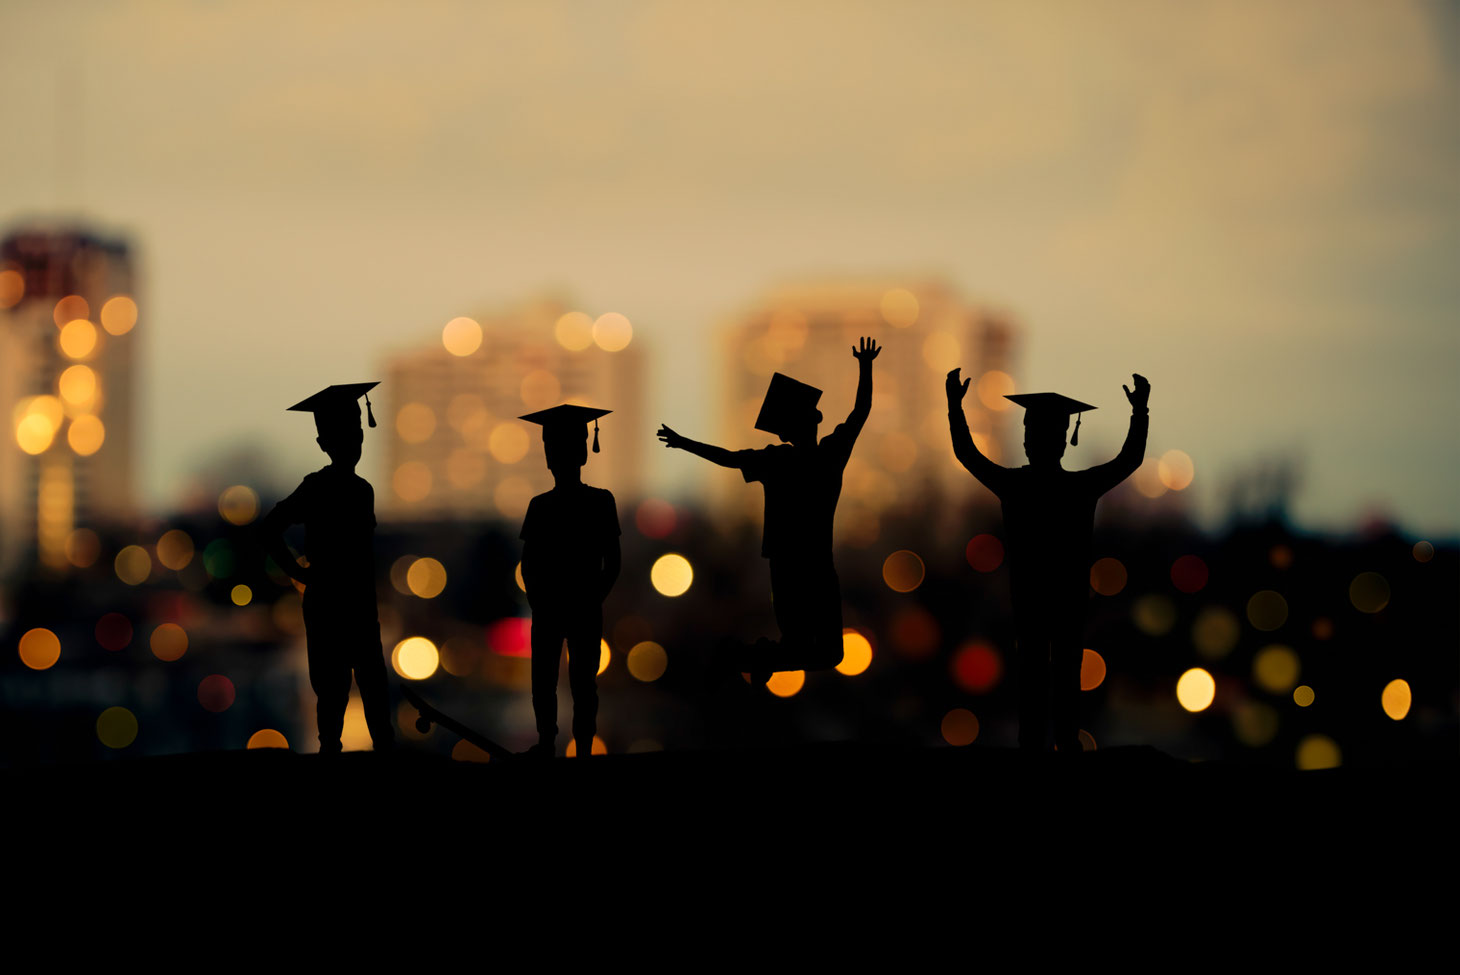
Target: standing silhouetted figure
[(1049, 519), (802, 480), (337, 508), (570, 561)]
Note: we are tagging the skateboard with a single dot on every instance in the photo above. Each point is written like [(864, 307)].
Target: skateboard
[(430, 716)]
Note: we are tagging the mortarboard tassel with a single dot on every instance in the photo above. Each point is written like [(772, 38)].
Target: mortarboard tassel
[(595, 435), (1075, 439), (368, 412)]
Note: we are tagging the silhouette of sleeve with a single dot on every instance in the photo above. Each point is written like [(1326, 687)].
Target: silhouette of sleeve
[(529, 522), (1106, 476), (612, 557), (293, 510), (755, 465), (989, 474)]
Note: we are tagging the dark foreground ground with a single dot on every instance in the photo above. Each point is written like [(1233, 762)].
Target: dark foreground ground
[(844, 838)]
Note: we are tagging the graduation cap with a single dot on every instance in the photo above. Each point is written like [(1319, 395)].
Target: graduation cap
[(336, 405), (787, 402), (1051, 411), (562, 421)]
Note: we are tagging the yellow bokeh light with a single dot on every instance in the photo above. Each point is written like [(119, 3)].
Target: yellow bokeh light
[(78, 338), (411, 481), (1303, 695), (900, 308), (1275, 669), (238, 504), (856, 653), (415, 658), (1147, 478), (612, 332), (69, 308), (574, 331), (267, 738), (671, 574), (993, 386), (1215, 632), (509, 443), (241, 595), (12, 288), (426, 578), (959, 727), (86, 435), (1255, 724), (465, 468), (903, 571), (941, 351), (1318, 752), (39, 649), (1369, 592), (647, 661), (175, 549), (169, 642), (786, 683), (415, 422), (1154, 614), (599, 747), (1196, 690), (512, 497), (77, 386), (133, 565), (1396, 699), (540, 389), (517, 576), (1175, 470), (1267, 610), (34, 433), (116, 727), (604, 656), (118, 315), (461, 336)]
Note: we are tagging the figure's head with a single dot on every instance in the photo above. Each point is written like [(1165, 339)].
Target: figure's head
[(1044, 442), (337, 426), (789, 411), (565, 436), (342, 441), (1046, 421)]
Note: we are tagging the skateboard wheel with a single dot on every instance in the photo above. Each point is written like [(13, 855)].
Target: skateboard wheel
[(423, 725)]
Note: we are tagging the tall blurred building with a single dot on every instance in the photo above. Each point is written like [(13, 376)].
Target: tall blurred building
[(904, 458), (68, 357), (457, 448)]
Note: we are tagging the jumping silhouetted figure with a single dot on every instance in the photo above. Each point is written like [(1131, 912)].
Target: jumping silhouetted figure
[(570, 561), (802, 480), (1049, 519), (337, 508)]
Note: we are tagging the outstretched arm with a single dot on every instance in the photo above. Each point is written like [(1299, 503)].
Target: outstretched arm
[(864, 354), (991, 475), (1133, 451), (711, 453)]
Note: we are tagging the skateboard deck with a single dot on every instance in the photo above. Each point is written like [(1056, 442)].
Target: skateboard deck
[(429, 716)]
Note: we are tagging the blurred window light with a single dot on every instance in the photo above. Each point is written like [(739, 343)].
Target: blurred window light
[(612, 331), (574, 331), (899, 308), (1176, 470), (118, 315), (461, 336), (1396, 699), (1195, 690), (671, 574)]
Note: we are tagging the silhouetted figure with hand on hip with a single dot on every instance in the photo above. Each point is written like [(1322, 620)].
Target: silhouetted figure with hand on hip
[(570, 561), (803, 481), (1049, 520), (342, 627)]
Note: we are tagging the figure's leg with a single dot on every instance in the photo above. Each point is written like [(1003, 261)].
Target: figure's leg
[(374, 689), (808, 604), (547, 652), (329, 675), (583, 656), (1032, 645)]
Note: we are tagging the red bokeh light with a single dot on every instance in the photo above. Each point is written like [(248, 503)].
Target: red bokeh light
[(915, 633), (655, 518), (511, 637), (216, 693), (114, 631), (977, 667), (984, 552), (1189, 574)]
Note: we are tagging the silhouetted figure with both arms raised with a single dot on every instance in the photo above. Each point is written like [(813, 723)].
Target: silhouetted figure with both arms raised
[(570, 561), (1049, 518), (342, 627), (803, 481)]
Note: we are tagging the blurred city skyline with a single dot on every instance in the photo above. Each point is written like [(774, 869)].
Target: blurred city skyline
[(1253, 206)]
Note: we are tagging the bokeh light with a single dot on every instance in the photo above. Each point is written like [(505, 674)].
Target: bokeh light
[(612, 332), (415, 422), (976, 667), (86, 435), (984, 552), (671, 574), (1423, 551), (655, 518), (238, 504), (1215, 632), (1303, 696), (786, 683), (175, 549), (1147, 478), (1196, 689), (1107, 576), (1396, 699), (169, 642), (415, 658), (411, 481), (267, 738), (605, 656), (915, 633), (78, 338), (116, 727), (1255, 724), (70, 308), (511, 636), (540, 389), (1154, 614), (508, 442), (83, 548), (77, 386), (113, 631), (1275, 669), (426, 578), (1175, 470), (599, 747), (647, 661), (1369, 592), (1092, 670), (133, 565), (574, 331), (465, 468), (1318, 752), (461, 336), (959, 727), (465, 751), (903, 571), (241, 595), (118, 315), (512, 496), (1281, 556), (39, 648), (216, 693), (941, 351), (856, 653), (1189, 574), (899, 308), (12, 288), (1267, 610), (993, 386)]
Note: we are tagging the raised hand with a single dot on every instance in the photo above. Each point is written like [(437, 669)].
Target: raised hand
[(955, 389), (867, 352), (670, 438), (1141, 395)]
